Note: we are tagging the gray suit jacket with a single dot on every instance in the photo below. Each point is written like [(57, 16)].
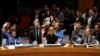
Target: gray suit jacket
[(91, 39), (76, 37)]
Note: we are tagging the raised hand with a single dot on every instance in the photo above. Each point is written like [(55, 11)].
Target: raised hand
[(43, 31)]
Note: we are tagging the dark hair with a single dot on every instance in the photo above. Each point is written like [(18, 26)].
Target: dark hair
[(14, 30)]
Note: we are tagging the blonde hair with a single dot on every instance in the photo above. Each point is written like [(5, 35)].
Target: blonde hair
[(51, 28)]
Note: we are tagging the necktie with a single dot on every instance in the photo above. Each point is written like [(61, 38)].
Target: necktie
[(37, 33), (87, 40)]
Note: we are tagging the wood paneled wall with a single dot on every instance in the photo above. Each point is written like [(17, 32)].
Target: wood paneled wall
[(85, 4)]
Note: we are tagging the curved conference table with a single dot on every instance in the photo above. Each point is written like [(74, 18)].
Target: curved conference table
[(51, 51)]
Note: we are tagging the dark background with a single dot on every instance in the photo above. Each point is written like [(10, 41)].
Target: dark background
[(41, 3), (8, 7)]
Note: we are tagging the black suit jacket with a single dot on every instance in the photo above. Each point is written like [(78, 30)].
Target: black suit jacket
[(93, 21), (81, 20), (32, 35), (97, 35)]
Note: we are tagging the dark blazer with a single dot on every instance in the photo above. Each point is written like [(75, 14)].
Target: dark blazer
[(93, 21), (51, 39), (81, 20), (73, 20), (32, 35), (40, 18)]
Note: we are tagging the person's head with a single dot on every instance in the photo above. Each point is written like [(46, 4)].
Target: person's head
[(37, 11), (14, 26), (46, 7), (36, 23), (87, 27), (91, 12), (58, 9), (48, 13), (66, 8), (97, 27), (13, 33), (56, 25), (87, 32), (78, 13), (53, 23), (95, 8), (51, 30), (54, 6), (78, 26)]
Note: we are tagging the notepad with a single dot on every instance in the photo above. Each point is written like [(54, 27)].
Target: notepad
[(11, 47)]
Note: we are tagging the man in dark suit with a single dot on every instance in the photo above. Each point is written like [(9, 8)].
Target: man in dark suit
[(96, 32), (36, 15), (91, 19), (79, 18), (35, 33)]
